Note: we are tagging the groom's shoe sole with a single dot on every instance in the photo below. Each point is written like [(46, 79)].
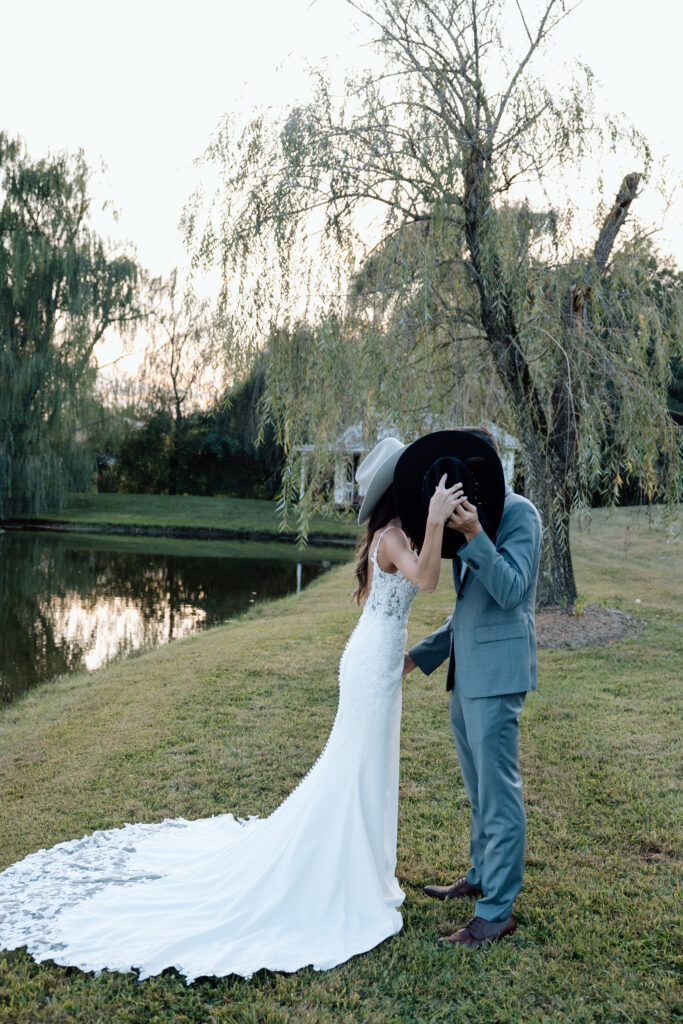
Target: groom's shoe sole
[(478, 932), (460, 890)]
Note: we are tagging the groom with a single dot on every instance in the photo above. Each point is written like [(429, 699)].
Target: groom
[(490, 642)]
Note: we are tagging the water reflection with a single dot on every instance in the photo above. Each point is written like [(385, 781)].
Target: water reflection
[(70, 602)]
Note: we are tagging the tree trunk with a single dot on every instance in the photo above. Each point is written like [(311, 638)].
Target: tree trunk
[(174, 461), (556, 583), (550, 442), (548, 485)]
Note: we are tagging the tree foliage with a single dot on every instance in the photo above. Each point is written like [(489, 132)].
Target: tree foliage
[(395, 223), (61, 288), (181, 358), (136, 445)]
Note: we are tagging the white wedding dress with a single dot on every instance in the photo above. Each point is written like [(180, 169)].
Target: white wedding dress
[(312, 884)]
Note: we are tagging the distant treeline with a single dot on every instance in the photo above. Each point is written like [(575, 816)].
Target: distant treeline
[(216, 451), (219, 451)]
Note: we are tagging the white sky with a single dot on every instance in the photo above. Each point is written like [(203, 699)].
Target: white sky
[(140, 84)]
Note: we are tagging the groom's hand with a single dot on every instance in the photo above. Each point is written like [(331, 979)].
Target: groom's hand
[(409, 663), (465, 519)]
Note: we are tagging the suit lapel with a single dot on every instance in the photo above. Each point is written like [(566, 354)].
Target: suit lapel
[(463, 581), (457, 569)]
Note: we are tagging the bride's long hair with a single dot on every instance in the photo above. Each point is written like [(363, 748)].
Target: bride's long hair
[(383, 512)]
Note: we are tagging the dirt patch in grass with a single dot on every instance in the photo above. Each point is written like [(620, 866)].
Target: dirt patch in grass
[(594, 627)]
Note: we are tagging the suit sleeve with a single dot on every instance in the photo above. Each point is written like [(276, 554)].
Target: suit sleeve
[(434, 649), (506, 570)]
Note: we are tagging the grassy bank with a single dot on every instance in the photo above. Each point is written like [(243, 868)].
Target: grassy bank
[(187, 547), (231, 719), (189, 511)]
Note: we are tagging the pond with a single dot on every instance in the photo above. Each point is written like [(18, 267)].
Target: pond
[(73, 601)]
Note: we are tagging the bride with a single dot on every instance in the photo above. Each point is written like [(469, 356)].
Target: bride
[(313, 883)]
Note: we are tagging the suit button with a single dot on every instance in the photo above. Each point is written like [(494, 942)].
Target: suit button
[(460, 597)]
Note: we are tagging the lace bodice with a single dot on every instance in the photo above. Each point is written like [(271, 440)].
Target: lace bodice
[(391, 593)]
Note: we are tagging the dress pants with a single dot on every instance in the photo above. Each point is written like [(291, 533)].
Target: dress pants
[(486, 731)]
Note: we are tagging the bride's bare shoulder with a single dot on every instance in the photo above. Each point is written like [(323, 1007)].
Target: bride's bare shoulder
[(397, 538), (395, 549)]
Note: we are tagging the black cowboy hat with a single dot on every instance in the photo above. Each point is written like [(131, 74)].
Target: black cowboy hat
[(464, 458)]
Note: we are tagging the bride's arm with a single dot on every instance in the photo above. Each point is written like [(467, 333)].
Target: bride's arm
[(424, 570)]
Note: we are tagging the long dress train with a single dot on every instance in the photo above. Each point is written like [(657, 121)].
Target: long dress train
[(312, 884)]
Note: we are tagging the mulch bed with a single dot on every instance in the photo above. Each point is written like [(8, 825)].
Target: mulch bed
[(595, 627)]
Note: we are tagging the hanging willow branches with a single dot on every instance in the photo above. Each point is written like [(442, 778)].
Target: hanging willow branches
[(386, 242), (60, 290)]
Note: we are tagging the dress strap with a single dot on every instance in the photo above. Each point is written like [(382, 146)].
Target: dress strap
[(373, 556)]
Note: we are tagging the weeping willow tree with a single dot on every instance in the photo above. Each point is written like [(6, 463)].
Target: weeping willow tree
[(386, 243), (60, 290)]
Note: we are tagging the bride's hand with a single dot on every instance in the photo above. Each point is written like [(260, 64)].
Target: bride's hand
[(443, 501)]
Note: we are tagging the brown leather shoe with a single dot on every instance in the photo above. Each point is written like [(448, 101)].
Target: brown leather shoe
[(478, 932), (460, 890)]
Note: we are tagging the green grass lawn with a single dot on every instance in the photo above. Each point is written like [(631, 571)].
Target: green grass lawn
[(232, 718), (187, 510)]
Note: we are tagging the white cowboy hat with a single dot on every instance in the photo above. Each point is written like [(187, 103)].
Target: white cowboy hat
[(376, 472)]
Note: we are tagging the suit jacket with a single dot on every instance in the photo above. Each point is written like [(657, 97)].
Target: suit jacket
[(490, 640)]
